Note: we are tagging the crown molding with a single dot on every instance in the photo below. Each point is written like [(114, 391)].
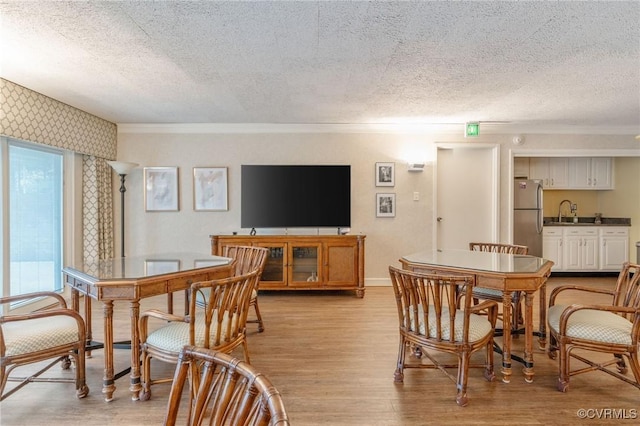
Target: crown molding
[(416, 128)]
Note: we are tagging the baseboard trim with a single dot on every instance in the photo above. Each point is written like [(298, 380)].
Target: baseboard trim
[(377, 282)]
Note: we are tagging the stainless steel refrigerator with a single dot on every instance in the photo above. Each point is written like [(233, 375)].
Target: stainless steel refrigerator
[(528, 215)]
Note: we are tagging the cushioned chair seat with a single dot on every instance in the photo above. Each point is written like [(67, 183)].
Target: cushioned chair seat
[(176, 335), (38, 334), (479, 325), (55, 334), (590, 324), (489, 292)]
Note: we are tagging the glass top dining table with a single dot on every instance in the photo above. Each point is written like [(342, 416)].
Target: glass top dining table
[(478, 260), (137, 267), (130, 279)]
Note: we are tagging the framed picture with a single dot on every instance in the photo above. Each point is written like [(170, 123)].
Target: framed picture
[(161, 189), (210, 189), (385, 205), (159, 267), (385, 174)]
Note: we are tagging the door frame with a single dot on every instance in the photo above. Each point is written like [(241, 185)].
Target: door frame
[(495, 184)]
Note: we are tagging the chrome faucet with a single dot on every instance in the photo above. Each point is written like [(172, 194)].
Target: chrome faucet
[(560, 209)]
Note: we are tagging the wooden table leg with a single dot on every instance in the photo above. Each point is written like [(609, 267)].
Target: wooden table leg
[(87, 320), (108, 382), (506, 336), (135, 386), (75, 300), (542, 331), (528, 337)]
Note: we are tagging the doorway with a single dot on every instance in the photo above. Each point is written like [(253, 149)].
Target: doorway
[(467, 195)]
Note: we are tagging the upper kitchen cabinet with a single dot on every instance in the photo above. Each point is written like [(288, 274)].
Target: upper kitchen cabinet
[(591, 173), (571, 173), (553, 171)]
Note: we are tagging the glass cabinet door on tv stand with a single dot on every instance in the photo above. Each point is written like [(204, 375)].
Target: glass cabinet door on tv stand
[(304, 264), (275, 272)]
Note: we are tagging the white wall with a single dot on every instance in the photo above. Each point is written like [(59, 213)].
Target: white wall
[(387, 238)]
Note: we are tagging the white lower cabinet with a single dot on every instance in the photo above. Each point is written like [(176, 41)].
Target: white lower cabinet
[(614, 247), (580, 249), (588, 249), (552, 246)]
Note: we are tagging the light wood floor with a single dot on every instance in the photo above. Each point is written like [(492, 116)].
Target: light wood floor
[(332, 356)]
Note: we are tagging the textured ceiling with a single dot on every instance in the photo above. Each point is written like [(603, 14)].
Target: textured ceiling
[(534, 63)]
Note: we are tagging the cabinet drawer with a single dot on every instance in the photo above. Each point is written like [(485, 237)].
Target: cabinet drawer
[(580, 232), (551, 231), (617, 232)]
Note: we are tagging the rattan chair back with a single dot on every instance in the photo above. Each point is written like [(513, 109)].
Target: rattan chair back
[(224, 391), (219, 323), (480, 293), (499, 248), (435, 314)]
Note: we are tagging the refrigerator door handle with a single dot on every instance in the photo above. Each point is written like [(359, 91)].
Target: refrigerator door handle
[(540, 220)]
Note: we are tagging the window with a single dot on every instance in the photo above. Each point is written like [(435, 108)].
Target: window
[(34, 184)]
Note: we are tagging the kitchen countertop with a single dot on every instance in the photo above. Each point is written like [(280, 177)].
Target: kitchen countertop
[(587, 221)]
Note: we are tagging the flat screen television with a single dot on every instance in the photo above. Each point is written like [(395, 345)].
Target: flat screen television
[(288, 196)]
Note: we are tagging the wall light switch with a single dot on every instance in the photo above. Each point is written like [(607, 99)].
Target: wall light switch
[(416, 196)]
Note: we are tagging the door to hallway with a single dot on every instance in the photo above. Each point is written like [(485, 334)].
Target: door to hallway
[(467, 194)]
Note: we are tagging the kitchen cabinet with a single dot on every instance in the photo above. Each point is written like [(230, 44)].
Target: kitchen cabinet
[(580, 249), (552, 246), (590, 173), (309, 262), (571, 173), (586, 248), (552, 171), (614, 248)]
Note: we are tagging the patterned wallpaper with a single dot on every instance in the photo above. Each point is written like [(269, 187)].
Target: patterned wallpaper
[(30, 116)]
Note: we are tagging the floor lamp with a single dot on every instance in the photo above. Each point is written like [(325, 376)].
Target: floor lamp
[(122, 168)]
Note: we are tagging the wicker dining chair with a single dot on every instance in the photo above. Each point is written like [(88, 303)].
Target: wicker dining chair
[(247, 259), (481, 293), (220, 325), (56, 334), (224, 391), (430, 320), (610, 327)]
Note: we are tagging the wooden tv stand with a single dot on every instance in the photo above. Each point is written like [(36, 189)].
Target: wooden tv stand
[(306, 262)]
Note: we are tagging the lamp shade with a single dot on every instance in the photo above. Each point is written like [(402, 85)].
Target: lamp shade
[(122, 167)]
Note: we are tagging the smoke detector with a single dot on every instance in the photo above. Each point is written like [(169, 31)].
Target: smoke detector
[(518, 140)]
